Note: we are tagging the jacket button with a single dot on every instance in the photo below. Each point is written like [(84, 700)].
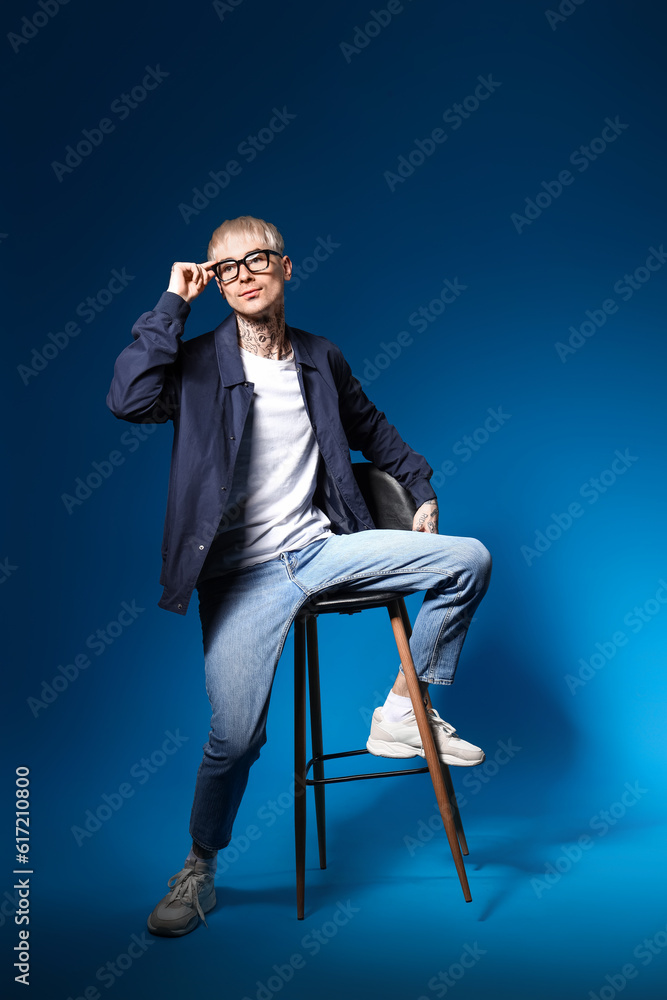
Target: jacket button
[(201, 546), (232, 438), (223, 488), (180, 605)]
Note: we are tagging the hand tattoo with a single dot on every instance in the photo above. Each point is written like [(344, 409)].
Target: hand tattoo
[(428, 519)]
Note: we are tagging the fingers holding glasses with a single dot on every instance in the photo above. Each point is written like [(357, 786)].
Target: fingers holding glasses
[(189, 279)]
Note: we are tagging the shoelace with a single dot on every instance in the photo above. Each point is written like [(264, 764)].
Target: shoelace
[(440, 723), (435, 720), (185, 886)]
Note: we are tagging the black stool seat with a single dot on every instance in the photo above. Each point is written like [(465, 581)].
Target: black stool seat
[(346, 602)]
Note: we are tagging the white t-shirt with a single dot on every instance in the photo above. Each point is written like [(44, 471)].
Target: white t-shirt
[(270, 509)]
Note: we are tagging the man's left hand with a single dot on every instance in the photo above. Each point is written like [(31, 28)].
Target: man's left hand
[(426, 518)]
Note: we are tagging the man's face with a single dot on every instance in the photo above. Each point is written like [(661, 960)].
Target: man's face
[(253, 294)]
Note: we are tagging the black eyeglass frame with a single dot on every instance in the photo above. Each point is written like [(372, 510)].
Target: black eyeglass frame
[(243, 260)]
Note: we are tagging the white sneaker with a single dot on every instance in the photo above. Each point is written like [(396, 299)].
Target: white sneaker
[(402, 739)]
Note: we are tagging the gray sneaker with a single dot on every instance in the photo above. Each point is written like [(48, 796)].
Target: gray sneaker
[(402, 739), (192, 895)]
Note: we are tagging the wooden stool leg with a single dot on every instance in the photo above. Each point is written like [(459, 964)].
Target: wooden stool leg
[(300, 761), (432, 758), (447, 778), (316, 733)]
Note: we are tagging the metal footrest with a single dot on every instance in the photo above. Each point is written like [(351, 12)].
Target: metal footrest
[(354, 777)]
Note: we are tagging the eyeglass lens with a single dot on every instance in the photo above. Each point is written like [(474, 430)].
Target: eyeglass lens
[(258, 261)]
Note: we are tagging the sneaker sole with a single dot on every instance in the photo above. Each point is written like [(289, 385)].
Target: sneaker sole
[(166, 931), (399, 750), (459, 762), (382, 749)]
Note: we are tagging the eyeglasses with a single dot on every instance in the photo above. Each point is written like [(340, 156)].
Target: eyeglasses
[(255, 261)]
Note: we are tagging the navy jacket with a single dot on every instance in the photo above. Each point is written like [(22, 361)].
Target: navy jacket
[(200, 385)]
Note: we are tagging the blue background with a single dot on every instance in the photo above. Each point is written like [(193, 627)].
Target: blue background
[(575, 744)]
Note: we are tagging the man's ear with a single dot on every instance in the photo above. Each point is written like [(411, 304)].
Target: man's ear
[(287, 268)]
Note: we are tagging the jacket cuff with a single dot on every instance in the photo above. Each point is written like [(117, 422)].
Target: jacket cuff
[(421, 491), (174, 305)]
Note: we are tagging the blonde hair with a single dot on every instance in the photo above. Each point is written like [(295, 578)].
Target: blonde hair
[(247, 225)]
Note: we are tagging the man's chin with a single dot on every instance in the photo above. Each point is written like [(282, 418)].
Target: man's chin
[(254, 309)]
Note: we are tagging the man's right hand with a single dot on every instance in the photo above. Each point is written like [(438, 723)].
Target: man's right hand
[(189, 280)]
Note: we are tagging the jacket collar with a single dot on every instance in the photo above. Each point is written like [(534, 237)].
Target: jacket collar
[(229, 357)]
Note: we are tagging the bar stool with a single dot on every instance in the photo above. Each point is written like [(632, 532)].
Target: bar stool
[(390, 506)]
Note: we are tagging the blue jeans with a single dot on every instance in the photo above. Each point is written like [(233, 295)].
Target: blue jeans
[(246, 615)]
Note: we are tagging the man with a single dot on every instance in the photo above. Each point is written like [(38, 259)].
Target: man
[(263, 512)]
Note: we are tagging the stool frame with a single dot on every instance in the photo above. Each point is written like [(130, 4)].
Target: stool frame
[(306, 662)]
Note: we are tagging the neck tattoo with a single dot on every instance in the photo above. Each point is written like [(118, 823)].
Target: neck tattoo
[(265, 337)]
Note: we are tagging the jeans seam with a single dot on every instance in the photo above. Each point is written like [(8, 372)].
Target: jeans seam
[(440, 630), (289, 624), (365, 576), (294, 613), (293, 578)]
